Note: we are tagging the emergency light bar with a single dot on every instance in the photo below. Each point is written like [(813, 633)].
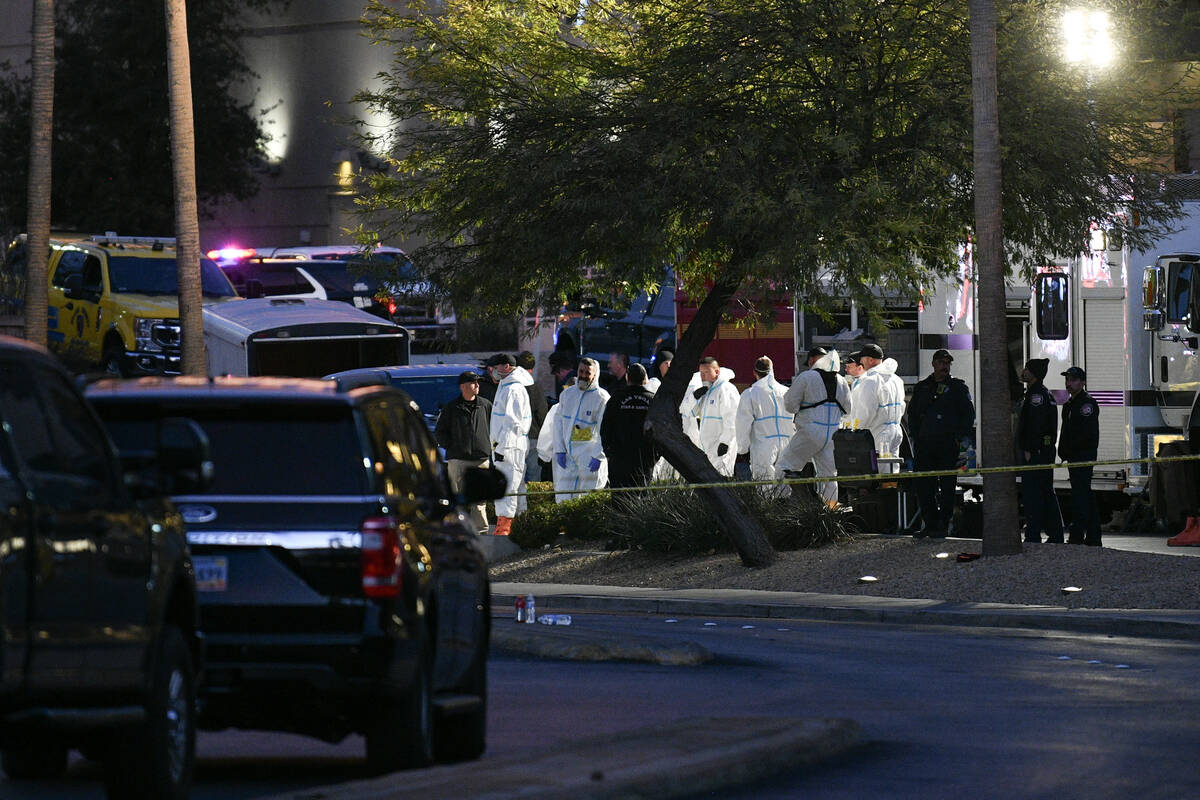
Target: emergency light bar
[(157, 242)]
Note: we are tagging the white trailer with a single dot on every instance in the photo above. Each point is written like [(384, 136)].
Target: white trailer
[(1088, 311), (298, 338)]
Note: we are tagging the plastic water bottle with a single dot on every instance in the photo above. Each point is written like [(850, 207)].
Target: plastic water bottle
[(530, 610), (555, 619)]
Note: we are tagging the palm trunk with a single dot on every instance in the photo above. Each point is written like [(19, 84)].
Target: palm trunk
[(41, 134), (187, 221), (665, 427), (1001, 535)]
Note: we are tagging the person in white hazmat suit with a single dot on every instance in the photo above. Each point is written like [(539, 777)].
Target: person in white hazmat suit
[(877, 400), (709, 411), (763, 425), (511, 417), (818, 397), (579, 462)]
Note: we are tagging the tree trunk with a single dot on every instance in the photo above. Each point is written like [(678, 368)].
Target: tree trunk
[(1001, 535), (665, 427), (41, 134), (187, 221)]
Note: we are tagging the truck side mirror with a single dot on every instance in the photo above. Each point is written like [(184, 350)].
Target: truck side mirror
[(1194, 305), (483, 483), (1153, 317), (73, 288), (184, 456)]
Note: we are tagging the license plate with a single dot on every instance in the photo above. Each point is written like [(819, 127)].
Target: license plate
[(212, 573)]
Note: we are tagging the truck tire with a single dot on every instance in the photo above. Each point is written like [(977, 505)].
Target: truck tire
[(155, 759), (463, 737), (401, 734), (32, 762)]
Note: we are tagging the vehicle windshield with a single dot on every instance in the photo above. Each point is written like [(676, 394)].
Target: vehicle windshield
[(133, 275), (342, 276), (313, 449)]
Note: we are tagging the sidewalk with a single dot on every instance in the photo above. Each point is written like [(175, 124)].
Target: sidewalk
[(1170, 624)]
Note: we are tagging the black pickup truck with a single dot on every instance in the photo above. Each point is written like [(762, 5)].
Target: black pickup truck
[(341, 589), (99, 646)]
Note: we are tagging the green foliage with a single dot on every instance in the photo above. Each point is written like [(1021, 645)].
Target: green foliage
[(580, 518), (672, 521), (679, 522), (111, 149), (817, 147)]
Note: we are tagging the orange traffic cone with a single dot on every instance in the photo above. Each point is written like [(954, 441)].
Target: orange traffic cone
[(503, 525), (1190, 535)]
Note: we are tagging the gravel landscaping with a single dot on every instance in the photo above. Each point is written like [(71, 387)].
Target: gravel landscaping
[(902, 567)]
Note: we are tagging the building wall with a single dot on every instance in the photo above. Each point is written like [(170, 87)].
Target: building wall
[(310, 60)]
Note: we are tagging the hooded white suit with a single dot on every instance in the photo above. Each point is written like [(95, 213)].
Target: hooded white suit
[(577, 434), (763, 425), (816, 421), (878, 405), (711, 420), (510, 422)]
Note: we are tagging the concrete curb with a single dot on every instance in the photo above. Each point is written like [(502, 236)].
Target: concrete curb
[(556, 641), (687, 758), (1165, 624)]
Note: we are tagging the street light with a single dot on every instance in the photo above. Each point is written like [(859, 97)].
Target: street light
[(1086, 37)]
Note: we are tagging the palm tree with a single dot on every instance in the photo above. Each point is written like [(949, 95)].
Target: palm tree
[(41, 131), (1000, 533), (187, 220)]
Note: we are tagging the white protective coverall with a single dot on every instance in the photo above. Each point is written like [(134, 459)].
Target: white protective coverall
[(877, 401), (510, 422), (816, 422), (577, 434), (711, 420), (763, 425)]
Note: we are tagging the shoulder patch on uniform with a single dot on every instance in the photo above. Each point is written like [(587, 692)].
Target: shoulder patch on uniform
[(1087, 409), (1035, 400)]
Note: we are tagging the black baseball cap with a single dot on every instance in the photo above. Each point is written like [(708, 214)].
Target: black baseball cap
[(1075, 372), (872, 351), (940, 354), (470, 376), (854, 358), (817, 352), (500, 358)]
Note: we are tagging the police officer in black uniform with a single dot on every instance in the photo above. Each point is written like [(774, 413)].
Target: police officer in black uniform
[(1078, 441), (940, 414), (631, 453), (1037, 428)]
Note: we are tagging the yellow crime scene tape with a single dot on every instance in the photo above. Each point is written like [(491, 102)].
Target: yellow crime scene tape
[(859, 478)]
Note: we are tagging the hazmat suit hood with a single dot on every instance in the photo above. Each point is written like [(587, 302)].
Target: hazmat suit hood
[(888, 367), (518, 375), (726, 374), (829, 362)]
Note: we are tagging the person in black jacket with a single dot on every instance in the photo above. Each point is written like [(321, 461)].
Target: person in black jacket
[(462, 431), (940, 415), (631, 454), (1079, 440), (1037, 426)]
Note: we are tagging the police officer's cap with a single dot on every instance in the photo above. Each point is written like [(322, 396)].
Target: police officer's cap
[(1075, 372)]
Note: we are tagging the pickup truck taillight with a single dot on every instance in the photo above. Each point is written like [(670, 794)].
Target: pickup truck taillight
[(381, 557)]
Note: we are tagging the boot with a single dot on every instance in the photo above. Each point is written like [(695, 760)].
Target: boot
[(1190, 535), (503, 525)]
